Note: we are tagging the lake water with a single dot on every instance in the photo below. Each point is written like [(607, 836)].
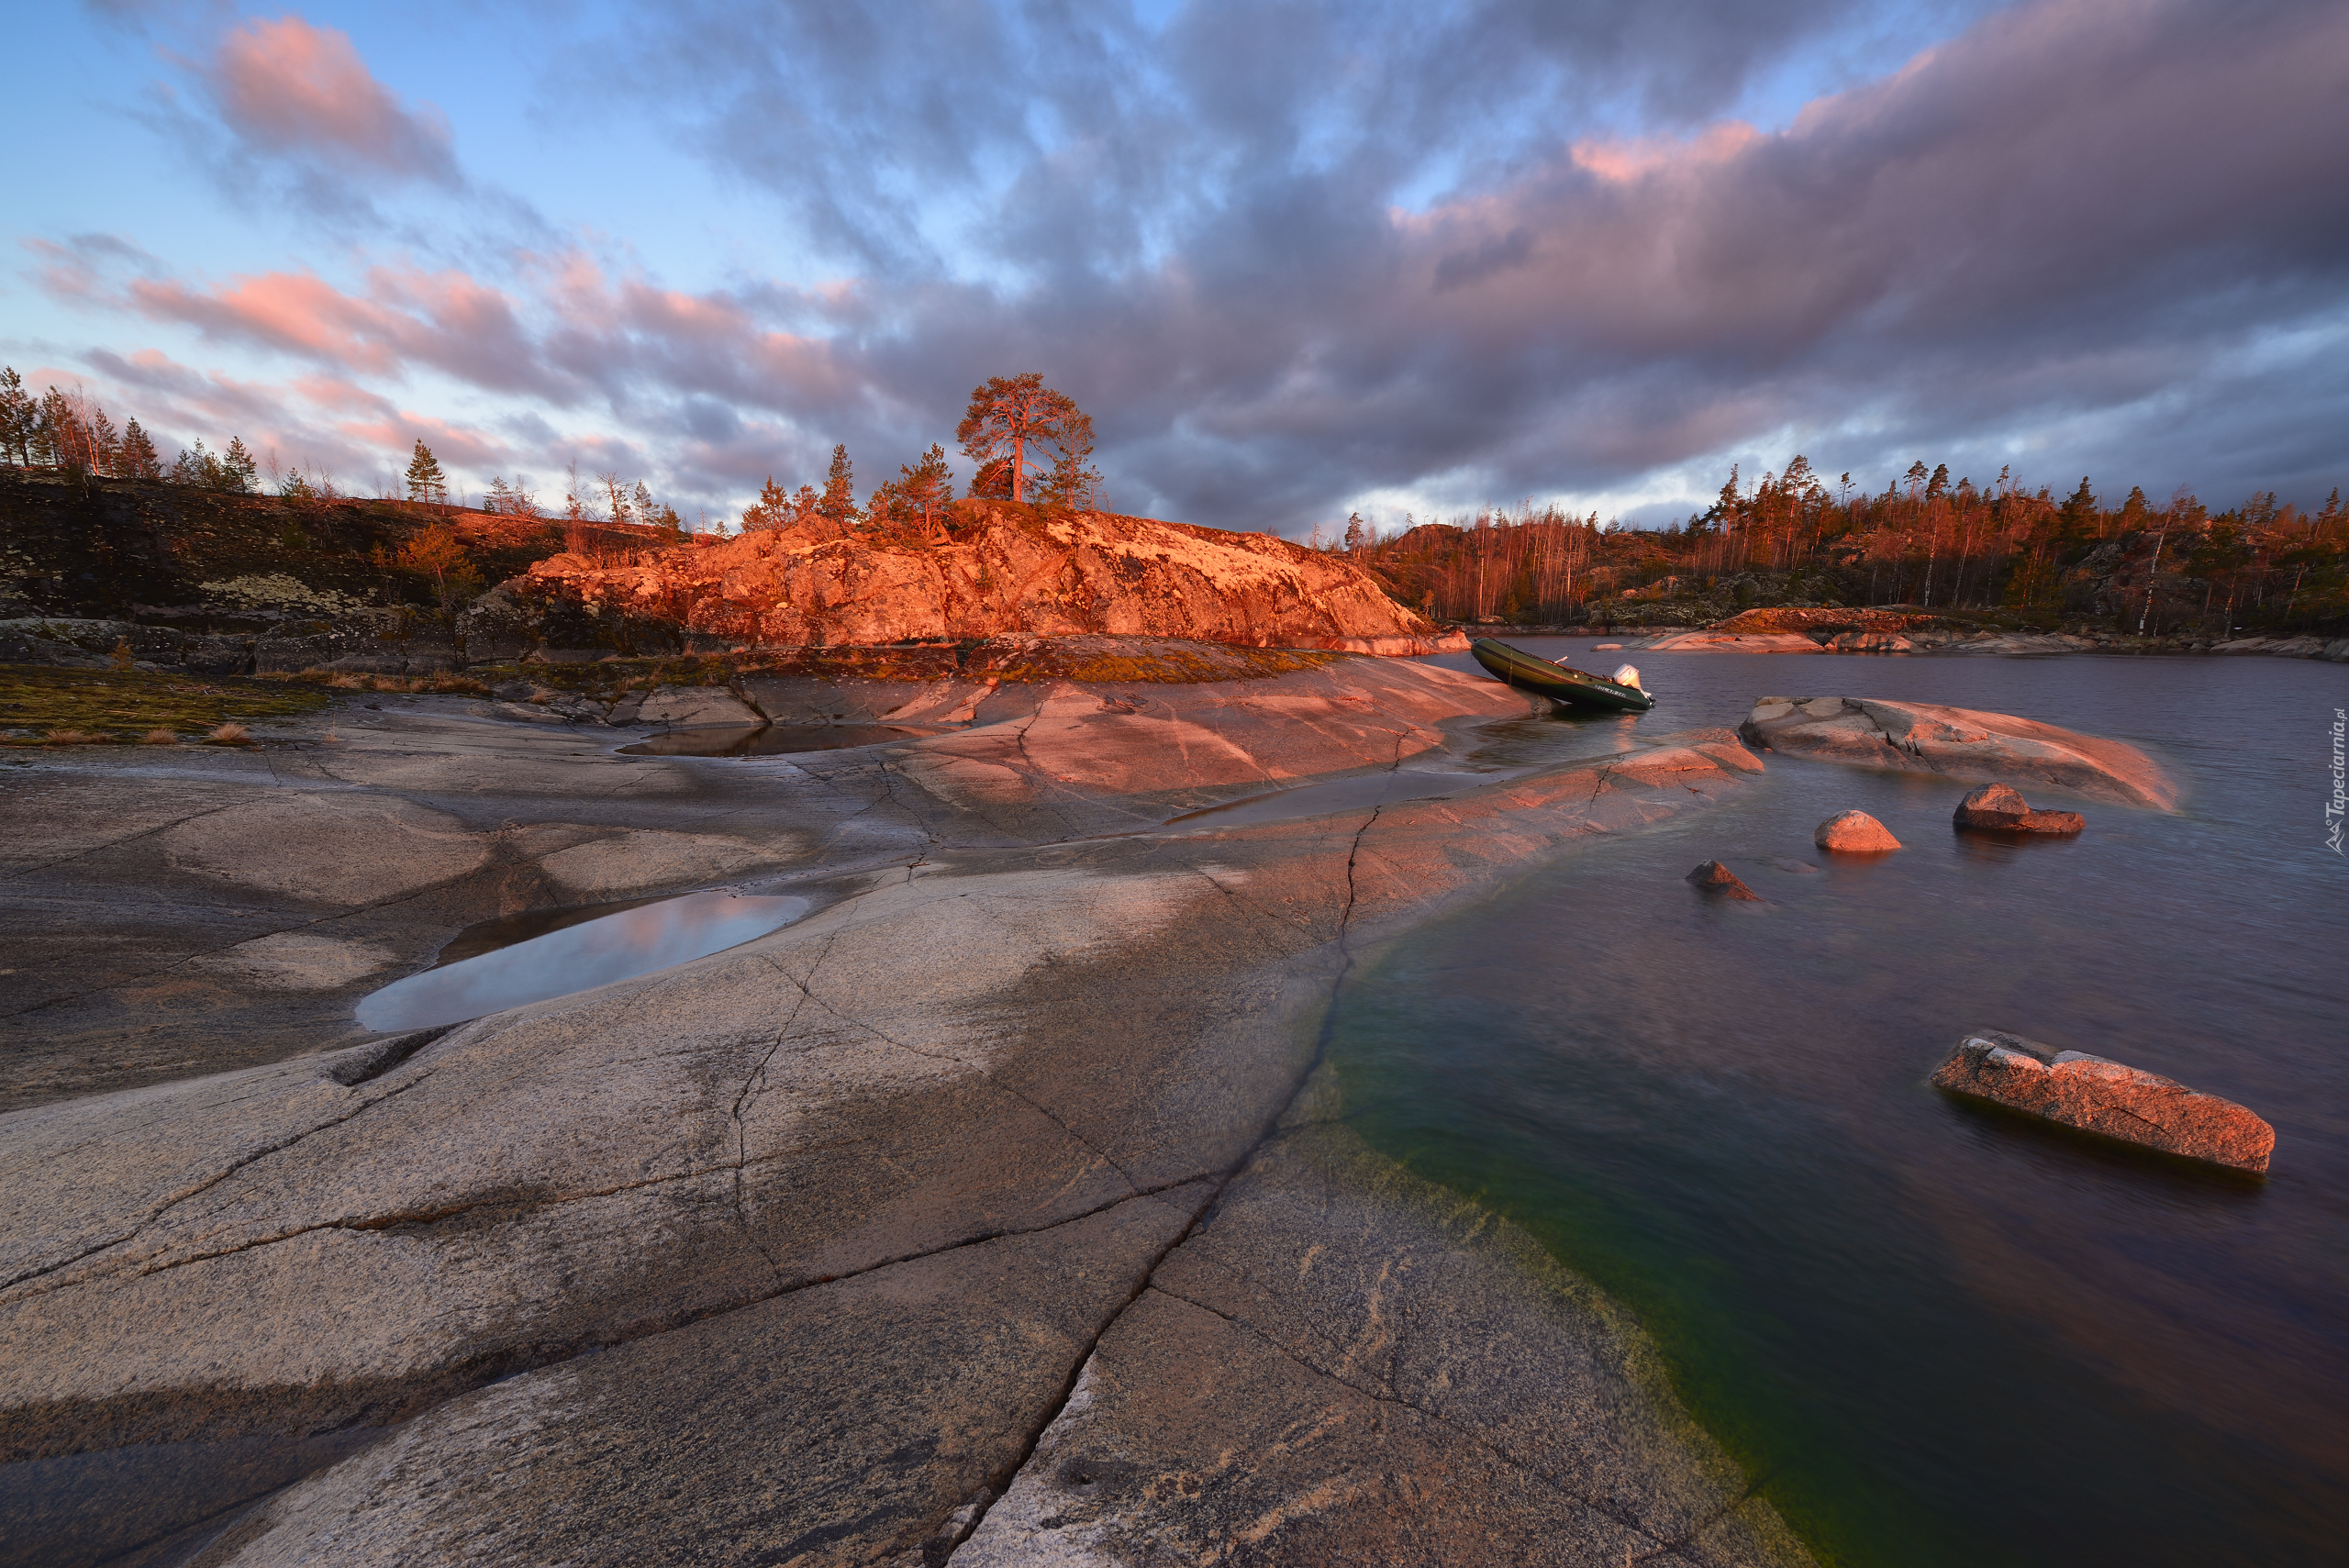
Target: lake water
[(1940, 1335)]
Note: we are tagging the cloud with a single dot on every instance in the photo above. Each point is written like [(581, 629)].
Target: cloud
[(1290, 256), (290, 90)]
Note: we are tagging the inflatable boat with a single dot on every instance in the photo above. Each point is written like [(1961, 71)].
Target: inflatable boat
[(1566, 687)]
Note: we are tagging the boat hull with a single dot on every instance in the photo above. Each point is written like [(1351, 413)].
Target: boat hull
[(1567, 688)]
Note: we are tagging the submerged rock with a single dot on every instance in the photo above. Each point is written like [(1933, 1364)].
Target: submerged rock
[(1716, 878), (2106, 1097), (1999, 809), (1871, 643), (1854, 833), (1960, 743)]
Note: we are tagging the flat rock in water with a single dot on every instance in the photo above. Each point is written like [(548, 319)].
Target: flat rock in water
[(1854, 833), (2106, 1097), (1734, 642), (1999, 809), (1959, 742), (1715, 877)]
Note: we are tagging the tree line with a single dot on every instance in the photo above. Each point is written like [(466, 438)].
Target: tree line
[(1924, 541), (71, 431)]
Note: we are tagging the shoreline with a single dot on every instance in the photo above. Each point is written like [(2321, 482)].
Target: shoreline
[(2330, 650)]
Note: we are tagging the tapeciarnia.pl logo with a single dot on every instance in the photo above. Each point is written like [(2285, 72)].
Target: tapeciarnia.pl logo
[(2337, 806)]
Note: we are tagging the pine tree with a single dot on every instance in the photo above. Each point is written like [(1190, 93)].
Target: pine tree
[(425, 480), (1008, 414), (138, 460), (772, 510), (924, 490), (838, 501), (1073, 484), (15, 419), (106, 444), (57, 434), (237, 469)]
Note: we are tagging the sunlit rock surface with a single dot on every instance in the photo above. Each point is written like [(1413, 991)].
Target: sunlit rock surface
[(794, 1249), (1959, 742), (1854, 833), (1001, 569), (2106, 1097)]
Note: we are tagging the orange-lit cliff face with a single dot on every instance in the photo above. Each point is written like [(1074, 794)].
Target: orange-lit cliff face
[(1005, 569)]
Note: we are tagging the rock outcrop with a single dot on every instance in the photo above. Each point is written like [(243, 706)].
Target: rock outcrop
[(1719, 881), (2108, 1099), (1854, 833), (1995, 808), (1002, 569), (798, 1248), (1960, 742)]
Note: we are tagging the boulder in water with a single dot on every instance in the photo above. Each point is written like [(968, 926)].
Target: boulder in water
[(1854, 833), (1999, 809), (1716, 878), (2106, 1097)]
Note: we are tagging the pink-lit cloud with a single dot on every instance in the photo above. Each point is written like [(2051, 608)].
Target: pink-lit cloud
[(288, 88)]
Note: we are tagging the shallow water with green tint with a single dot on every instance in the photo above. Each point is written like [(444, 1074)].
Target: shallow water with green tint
[(1938, 1334)]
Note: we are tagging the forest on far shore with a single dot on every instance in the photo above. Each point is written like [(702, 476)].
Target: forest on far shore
[(2175, 568), (2172, 568)]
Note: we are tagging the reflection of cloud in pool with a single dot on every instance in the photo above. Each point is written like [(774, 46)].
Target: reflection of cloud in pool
[(595, 952)]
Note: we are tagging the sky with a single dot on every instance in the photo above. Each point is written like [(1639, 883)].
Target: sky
[(1295, 259)]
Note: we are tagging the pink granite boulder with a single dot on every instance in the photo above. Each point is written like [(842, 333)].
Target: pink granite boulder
[(2106, 1097), (1995, 809), (1855, 833)]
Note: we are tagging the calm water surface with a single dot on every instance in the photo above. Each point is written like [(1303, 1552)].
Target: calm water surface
[(1943, 1336), (639, 939)]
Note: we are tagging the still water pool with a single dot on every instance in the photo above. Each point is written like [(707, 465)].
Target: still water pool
[(636, 941), (1938, 1335)]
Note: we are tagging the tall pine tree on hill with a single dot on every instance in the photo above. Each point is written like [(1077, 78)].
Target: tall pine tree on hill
[(425, 480), (1008, 414)]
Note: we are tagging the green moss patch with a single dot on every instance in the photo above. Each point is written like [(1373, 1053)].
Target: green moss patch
[(110, 705)]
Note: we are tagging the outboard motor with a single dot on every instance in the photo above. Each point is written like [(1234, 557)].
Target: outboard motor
[(1627, 676)]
